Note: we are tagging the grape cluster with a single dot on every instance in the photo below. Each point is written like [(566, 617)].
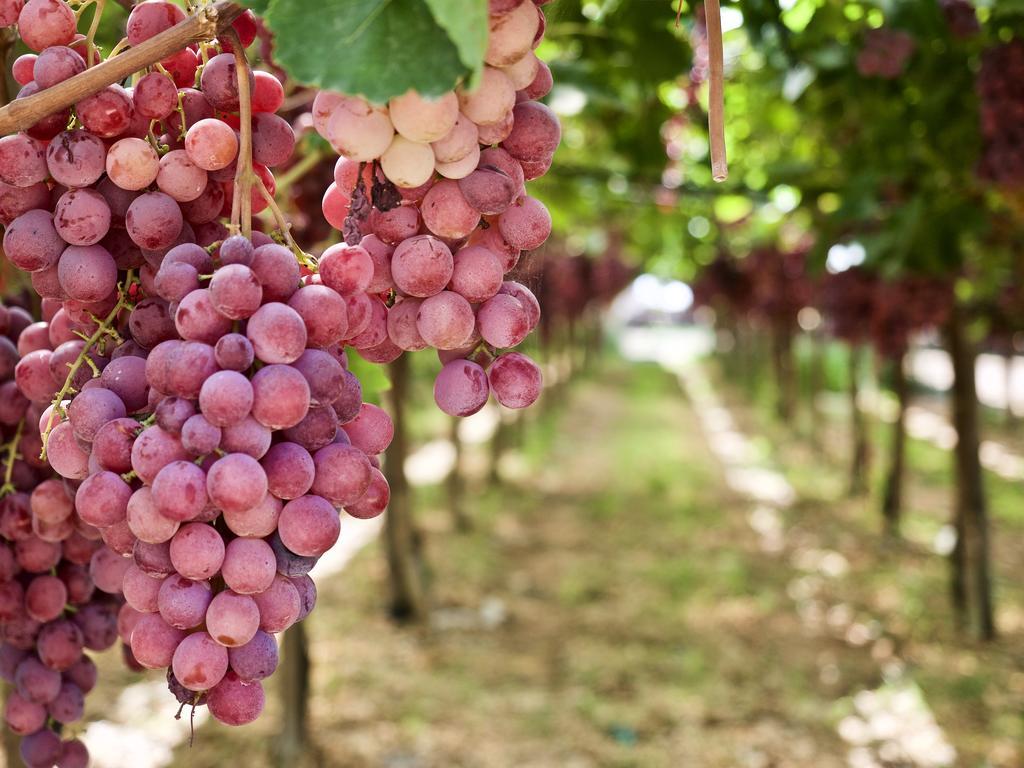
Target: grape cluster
[(190, 386), (885, 53), (60, 583), (961, 17), (430, 197), (1000, 83)]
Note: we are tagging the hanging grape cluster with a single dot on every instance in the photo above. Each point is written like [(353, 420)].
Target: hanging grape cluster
[(429, 194)]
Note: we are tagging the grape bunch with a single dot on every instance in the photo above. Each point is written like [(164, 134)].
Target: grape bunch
[(885, 53), (190, 385), (430, 196), (961, 17), (60, 583), (1000, 84)]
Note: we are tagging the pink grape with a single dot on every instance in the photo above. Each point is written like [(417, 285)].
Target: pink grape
[(515, 380), (31, 241), (447, 213), (132, 164), (493, 97), (260, 520), (280, 396), (76, 158), (402, 325), (511, 35), (347, 269), (502, 321), (445, 321), (309, 525), (197, 551), (477, 274), (151, 18), (422, 266), (107, 113), (280, 605), (234, 701), (457, 143), (354, 127), (22, 160), (249, 566), (323, 312), (45, 23), (535, 134), (257, 659), (526, 224), (199, 663), (375, 500), (82, 217), (407, 163), (371, 431), (182, 602), (236, 482), (232, 619), (277, 333), (461, 388), (155, 96), (423, 119), (211, 144), (342, 475)]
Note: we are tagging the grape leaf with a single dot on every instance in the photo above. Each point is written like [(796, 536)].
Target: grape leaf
[(373, 48), (465, 21)]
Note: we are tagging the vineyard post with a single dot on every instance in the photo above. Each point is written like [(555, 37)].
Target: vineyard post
[(782, 362), (295, 693), (815, 382), (892, 499), (861, 455), (455, 482), (405, 567), (972, 582)]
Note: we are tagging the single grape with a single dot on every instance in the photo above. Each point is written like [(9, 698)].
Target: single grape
[(445, 320), (422, 119), (211, 144), (421, 266), (515, 380), (82, 217)]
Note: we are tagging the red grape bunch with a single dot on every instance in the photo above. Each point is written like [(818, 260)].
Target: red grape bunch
[(189, 384), (885, 53), (430, 196), (60, 584), (1000, 84)]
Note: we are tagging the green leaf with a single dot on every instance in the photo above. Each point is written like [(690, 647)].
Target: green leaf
[(373, 377), (257, 6), (372, 48), (465, 21)]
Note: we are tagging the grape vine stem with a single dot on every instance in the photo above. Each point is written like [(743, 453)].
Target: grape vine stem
[(104, 328), (716, 90), (204, 25), (241, 201), (12, 456), (303, 258)]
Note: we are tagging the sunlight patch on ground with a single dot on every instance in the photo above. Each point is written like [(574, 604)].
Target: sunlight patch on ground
[(893, 725)]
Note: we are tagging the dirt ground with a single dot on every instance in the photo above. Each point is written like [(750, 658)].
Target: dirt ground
[(613, 606)]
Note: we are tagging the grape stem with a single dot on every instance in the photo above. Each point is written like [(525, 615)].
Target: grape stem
[(90, 38), (241, 201), (716, 90), (12, 456), (103, 329), (204, 25), (303, 258)]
